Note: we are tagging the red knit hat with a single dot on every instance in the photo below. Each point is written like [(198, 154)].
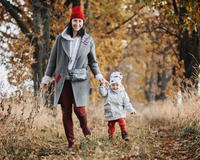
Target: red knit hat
[(77, 13)]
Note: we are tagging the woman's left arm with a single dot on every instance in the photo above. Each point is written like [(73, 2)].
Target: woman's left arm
[(93, 64), (92, 60)]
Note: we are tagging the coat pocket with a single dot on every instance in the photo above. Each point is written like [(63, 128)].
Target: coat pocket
[(58, 78)]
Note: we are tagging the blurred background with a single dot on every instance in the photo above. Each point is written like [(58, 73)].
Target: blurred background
[(154, 43)]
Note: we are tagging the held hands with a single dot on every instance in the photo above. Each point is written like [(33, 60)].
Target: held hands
[(44, 87), (104, 82)]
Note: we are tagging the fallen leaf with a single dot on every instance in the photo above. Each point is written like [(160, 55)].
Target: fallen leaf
[(32, 155), (57, 135), (51, 147), (135, 154), (183, 152), (91, 151), (73, 153), (165, 152), (169, 143)]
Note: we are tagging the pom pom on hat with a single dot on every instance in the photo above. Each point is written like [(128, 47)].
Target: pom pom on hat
[(116, 77), (77, 13)]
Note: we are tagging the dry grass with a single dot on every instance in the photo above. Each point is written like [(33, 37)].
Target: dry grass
[(29, 132), (180, 114)]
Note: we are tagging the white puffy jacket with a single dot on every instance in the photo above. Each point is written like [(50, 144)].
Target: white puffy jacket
[(115, 103)]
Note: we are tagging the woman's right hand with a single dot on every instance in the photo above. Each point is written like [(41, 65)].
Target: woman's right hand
[(104, 81), (44, 87)]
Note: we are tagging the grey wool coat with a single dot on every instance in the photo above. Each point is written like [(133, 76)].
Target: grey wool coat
[(115, 103), (59, 60)]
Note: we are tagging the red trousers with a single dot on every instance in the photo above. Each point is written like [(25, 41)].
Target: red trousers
[(111, 126), (66, 101)]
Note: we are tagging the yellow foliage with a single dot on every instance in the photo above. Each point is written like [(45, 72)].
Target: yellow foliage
[(109, 25)]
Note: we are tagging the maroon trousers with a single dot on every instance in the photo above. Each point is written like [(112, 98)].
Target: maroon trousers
[(66, 100)]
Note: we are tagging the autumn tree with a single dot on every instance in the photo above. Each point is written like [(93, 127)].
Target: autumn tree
[(183, 25), (38, 22), (172, 47)]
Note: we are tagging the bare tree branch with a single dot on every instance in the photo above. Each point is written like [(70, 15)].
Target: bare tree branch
[(68, 2), (125, 20), (8, 35), (22, 25), (167, 31), (149, 31)]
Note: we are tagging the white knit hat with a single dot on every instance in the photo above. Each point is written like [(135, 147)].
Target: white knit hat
[(116, 77)]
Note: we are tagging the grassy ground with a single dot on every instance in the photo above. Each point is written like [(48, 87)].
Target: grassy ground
[(163, 130)]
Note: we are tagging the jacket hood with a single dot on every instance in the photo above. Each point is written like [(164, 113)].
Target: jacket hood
[(67, 36)]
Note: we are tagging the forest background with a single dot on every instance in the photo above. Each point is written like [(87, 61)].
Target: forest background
[(154, 43)]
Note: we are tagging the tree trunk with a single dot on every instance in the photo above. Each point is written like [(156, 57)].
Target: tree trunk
[(46, 22), (189, 52), (37, 42), (86, 13), (76, 3), (150, 96), (198, 50), (162, 84), (42, 22)]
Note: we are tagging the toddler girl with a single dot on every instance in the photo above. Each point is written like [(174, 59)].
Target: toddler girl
[(116, 101)]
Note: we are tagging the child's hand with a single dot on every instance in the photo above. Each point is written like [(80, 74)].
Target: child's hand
[(102, 83), (135, 113)]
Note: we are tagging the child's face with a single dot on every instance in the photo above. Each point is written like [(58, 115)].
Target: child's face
[(115, 86)]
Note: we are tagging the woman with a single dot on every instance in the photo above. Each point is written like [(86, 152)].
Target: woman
[(72, 53)]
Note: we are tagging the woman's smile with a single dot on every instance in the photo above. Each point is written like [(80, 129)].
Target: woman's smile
[(77, 24)]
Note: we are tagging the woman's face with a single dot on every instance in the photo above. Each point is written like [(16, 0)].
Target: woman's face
[(77, 24)]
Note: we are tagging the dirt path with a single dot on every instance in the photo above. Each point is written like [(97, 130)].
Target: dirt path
[(148, 140)]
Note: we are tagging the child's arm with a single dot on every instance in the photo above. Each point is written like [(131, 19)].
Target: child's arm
[(102, 90), (128, 106)]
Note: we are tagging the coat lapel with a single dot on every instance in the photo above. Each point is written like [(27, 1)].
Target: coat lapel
[(85, 40), (66, 46)]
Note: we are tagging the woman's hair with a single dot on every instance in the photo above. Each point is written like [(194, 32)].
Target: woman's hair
[(69, 31)]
